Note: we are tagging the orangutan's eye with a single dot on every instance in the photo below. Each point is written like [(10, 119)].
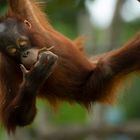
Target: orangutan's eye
[(11, 50), (22, 42)]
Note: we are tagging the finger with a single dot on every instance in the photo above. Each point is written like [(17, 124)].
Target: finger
[(42, 50), (50, 48), (23, 69)]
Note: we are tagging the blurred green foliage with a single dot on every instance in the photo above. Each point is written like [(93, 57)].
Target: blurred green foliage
[(3, 7), (63, 15), (131, 99), (129, 29), (68, 114)]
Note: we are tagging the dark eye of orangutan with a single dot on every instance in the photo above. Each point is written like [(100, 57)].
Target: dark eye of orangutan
[(12, 50), (22, 42)]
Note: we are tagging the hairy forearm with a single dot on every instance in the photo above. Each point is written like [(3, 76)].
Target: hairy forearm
[(125, 59), (110, 71), (24, 8), (22, 109), (29, 10)]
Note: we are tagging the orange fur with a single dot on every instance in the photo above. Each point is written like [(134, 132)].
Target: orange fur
[(79, 42)]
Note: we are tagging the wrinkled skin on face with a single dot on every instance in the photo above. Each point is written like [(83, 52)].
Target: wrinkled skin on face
[(15, 42)]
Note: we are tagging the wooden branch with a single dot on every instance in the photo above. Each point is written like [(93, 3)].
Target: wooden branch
[(77, 132)]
